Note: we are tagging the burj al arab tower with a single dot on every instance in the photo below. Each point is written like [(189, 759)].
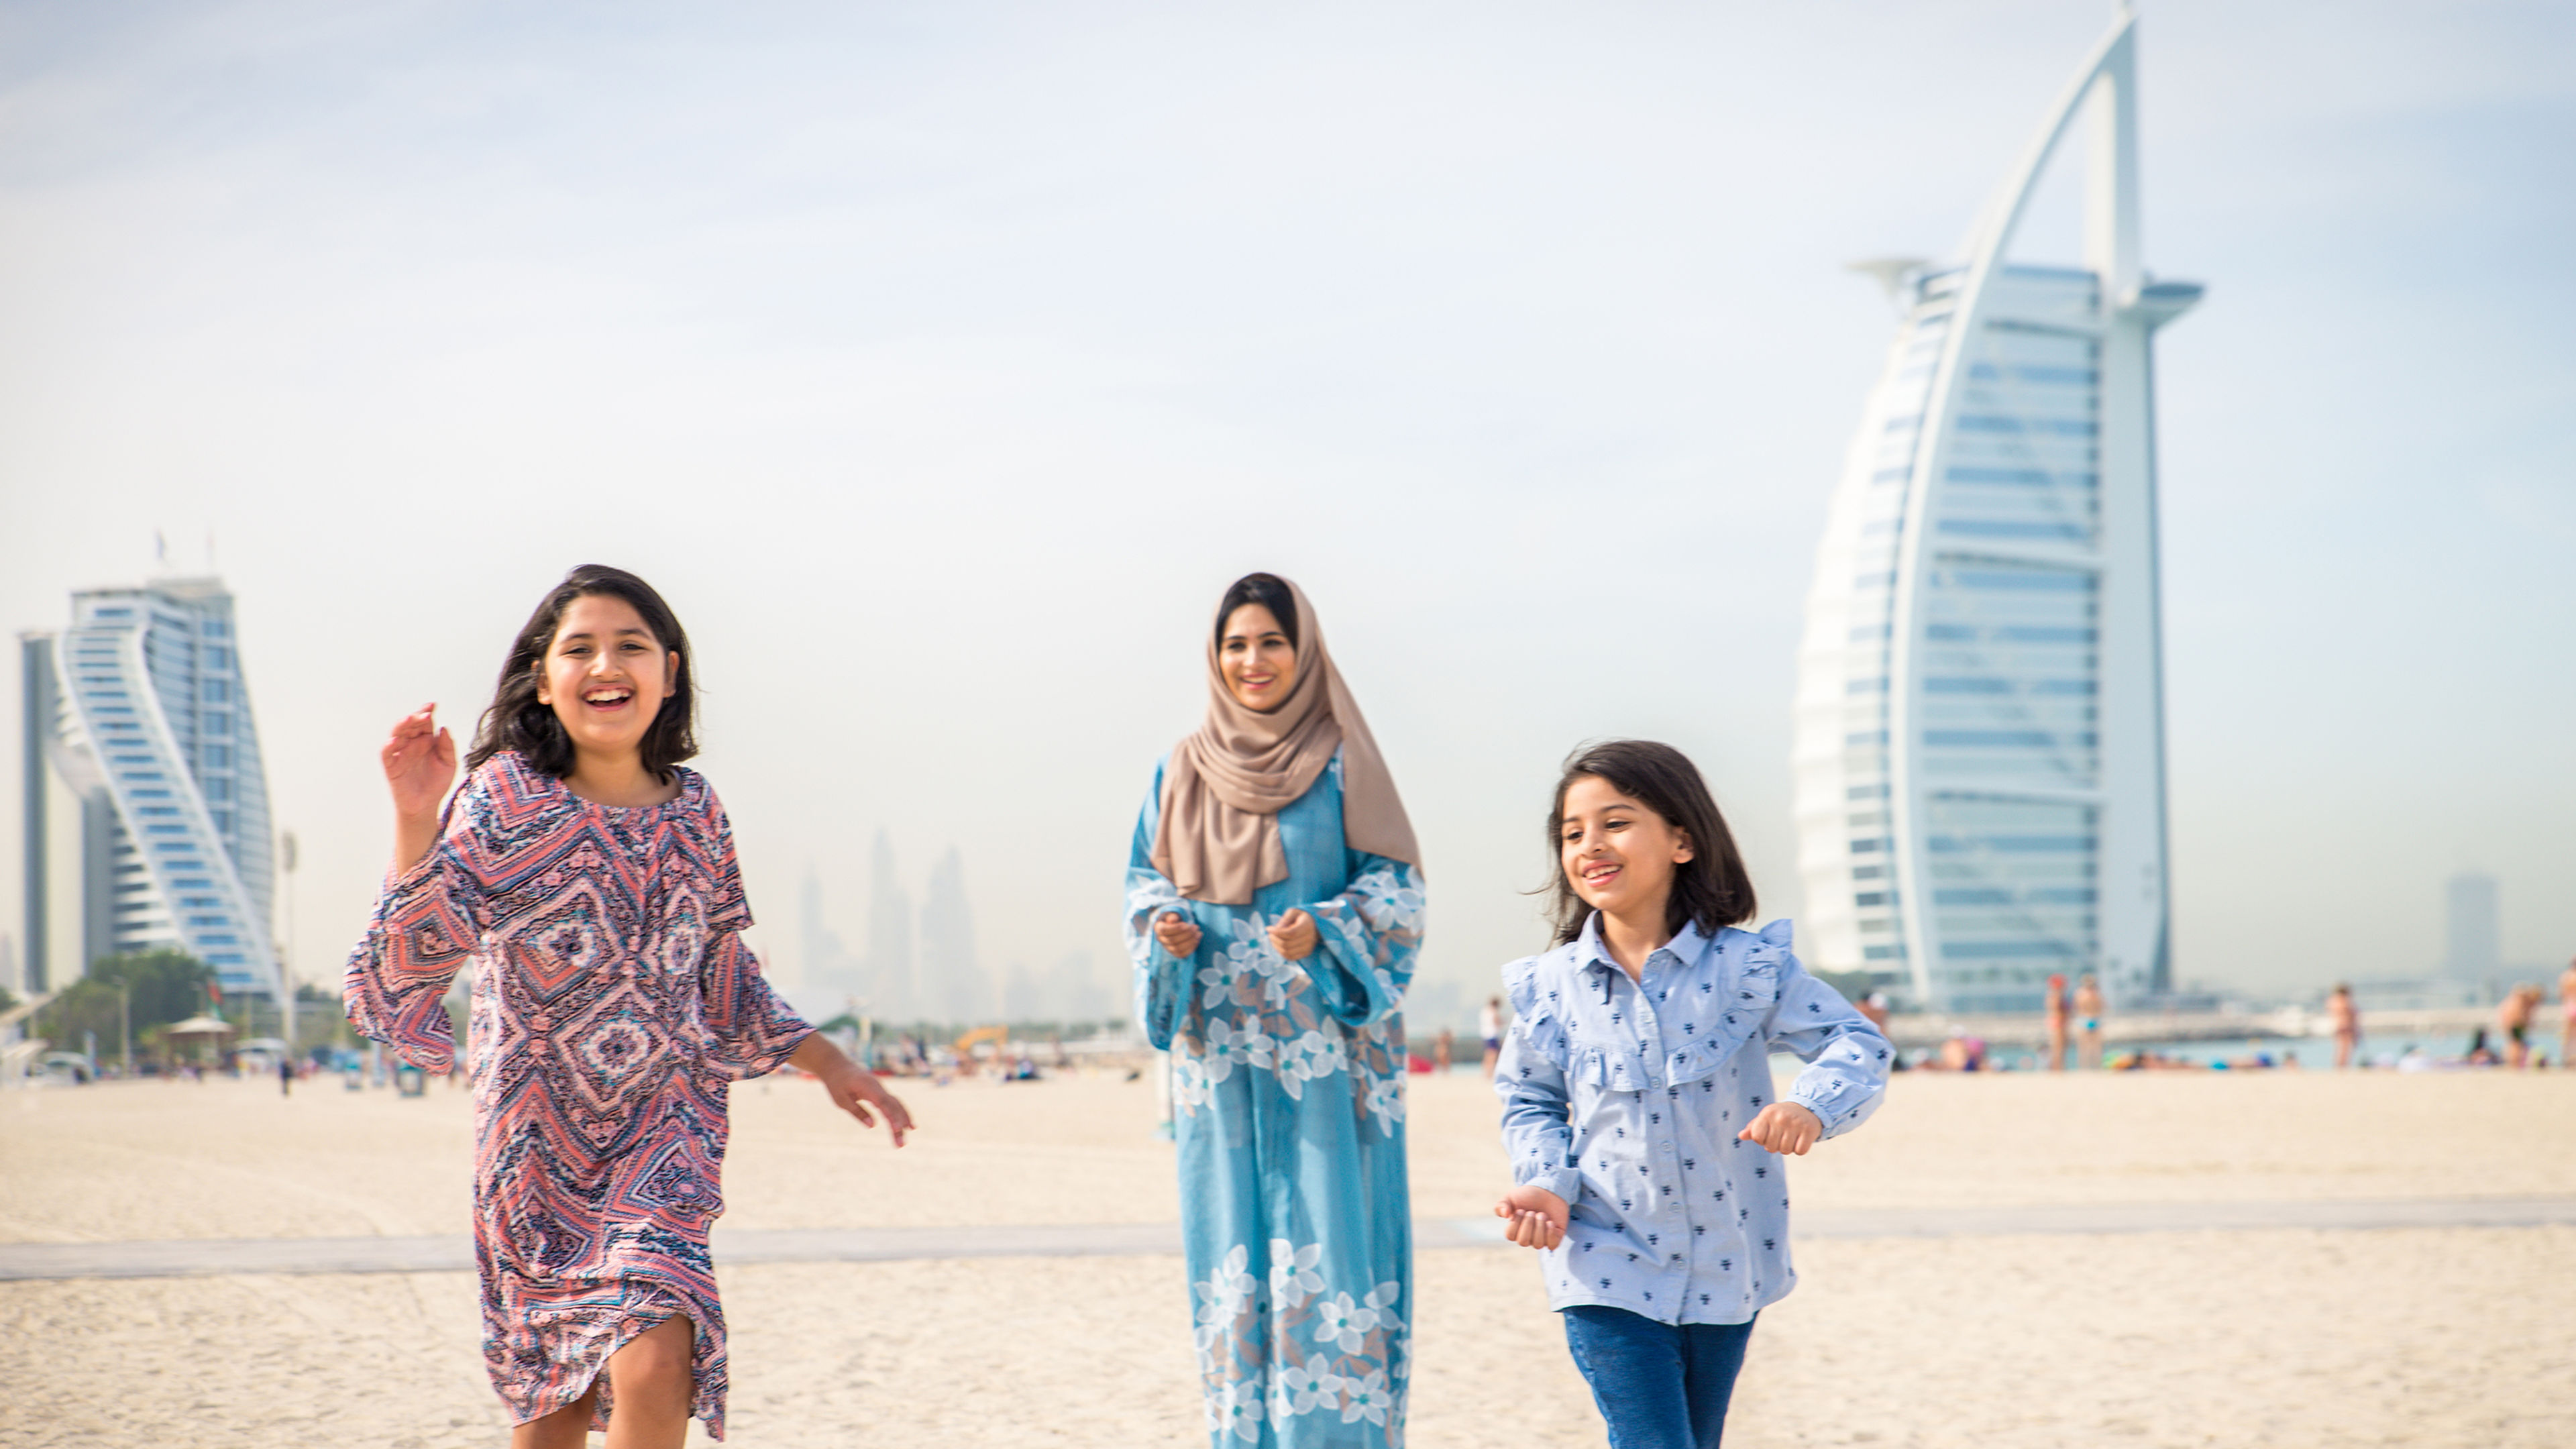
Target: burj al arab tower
[(1980, 757)]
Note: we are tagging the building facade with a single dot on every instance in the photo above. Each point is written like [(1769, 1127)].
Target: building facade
[(147, 823), (1980, 774)]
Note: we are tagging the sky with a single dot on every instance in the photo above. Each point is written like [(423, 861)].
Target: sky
[(942, 363)]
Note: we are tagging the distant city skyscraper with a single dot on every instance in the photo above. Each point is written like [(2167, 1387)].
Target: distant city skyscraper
[(1979, 757), (2473, 930), (146, 805)]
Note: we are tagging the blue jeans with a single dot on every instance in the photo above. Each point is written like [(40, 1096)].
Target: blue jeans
[(1659, 1385)]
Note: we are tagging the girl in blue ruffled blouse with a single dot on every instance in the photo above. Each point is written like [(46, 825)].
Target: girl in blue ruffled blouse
[(1647, 1149)]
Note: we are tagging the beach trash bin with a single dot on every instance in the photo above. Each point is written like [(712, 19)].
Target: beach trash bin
[(410, 1081)]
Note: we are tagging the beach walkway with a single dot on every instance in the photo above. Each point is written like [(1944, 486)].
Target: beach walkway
[(2149, 1259), (206, 1257)]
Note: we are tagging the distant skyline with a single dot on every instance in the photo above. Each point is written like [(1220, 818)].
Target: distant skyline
[(943, 363)]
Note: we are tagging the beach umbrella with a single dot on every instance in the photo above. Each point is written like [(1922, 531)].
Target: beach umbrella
[(196, 1028)]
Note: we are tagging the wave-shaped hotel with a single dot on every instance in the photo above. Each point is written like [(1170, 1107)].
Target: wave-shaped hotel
[(1980, 757), (146, 803)]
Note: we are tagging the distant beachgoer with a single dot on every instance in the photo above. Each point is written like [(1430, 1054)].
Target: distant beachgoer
[(1489, 1025), (2058, 1011), (1647, 1156), (1443, 1047), (285, 1076), (591, 880), (2513, 1020), (2346, 1020), (2088, 1023), (2479, 1053), (1874, 1007), (1961, 1052), (2567, 1015), (1274, 912)]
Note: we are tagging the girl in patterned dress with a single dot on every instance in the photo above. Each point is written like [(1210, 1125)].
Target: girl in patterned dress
[(590, 880), (1274, 910)]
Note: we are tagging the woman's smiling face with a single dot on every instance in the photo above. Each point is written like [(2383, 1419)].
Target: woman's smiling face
[(1617, 854), (606, 675), (1254, 656)]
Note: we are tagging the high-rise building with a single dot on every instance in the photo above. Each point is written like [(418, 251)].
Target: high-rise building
[(1980, 759), (146, 805)]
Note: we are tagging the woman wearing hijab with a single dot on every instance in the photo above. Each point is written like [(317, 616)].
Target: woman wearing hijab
[(1274, 909)]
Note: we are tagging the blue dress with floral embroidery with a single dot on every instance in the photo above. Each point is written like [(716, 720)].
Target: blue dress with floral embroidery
[(1288, 1102)]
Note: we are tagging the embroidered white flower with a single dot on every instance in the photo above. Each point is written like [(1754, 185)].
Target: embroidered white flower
[(1230, 1045), (1240, 1407), (1381, 1301), (1390, 899), (1308, 1057), (1366, 1398), (1228, 1291), (1216, 986), (1250, 953), (1189, 1083), (1304, 1388), (1342, 1323), (1386, 1102), (1292, 1272)]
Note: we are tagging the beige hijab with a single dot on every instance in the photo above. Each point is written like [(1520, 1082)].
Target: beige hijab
[(1229, 779)]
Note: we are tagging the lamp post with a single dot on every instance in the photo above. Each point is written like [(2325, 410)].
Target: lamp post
[(125, 1029)]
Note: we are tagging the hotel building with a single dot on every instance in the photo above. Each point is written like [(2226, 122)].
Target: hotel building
[(1980, 756)]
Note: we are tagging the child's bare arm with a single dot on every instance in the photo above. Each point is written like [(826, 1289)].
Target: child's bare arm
[(853, 1088)]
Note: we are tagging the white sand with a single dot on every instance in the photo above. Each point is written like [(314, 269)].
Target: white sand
[(2449, 1336)]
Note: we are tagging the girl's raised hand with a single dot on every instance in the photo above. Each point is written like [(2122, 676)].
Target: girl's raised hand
[(1294, 935), (1178, 933), (1532, 1217), (420, 763)]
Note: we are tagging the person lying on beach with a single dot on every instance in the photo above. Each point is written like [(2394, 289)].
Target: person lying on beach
[(1647, 1153), (591, 880)]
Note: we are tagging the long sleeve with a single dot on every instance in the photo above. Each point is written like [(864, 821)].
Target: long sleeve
[(1372, 934), (1847, 1058), (1537, 1134), (427, 923), (1162, 979), (753, 1029)]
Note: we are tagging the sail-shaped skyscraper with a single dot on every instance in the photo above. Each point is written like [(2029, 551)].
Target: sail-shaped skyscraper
[(1980, 759), (145, 794)]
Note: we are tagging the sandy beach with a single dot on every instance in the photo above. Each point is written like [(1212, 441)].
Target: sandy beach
[(2421, 1336)]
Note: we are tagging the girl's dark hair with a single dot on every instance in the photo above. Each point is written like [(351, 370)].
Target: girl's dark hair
[(1711, 889), (1269, 591), (516, 721)]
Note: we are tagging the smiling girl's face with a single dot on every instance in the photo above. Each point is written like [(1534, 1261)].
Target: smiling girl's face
[(1618, 855), (1255, 657), (605, 675)]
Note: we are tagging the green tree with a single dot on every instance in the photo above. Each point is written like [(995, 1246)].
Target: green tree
[(159, 987)]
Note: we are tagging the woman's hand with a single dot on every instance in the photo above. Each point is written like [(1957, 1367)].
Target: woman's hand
[(1785, 1128), (1178, 933), (420, 763), (1533, 1217), (1294, 935)]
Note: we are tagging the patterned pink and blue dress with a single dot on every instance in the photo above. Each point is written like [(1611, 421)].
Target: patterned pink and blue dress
[(613, 1004)]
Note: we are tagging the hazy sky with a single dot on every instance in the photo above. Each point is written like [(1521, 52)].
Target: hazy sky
[(941, 363)]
